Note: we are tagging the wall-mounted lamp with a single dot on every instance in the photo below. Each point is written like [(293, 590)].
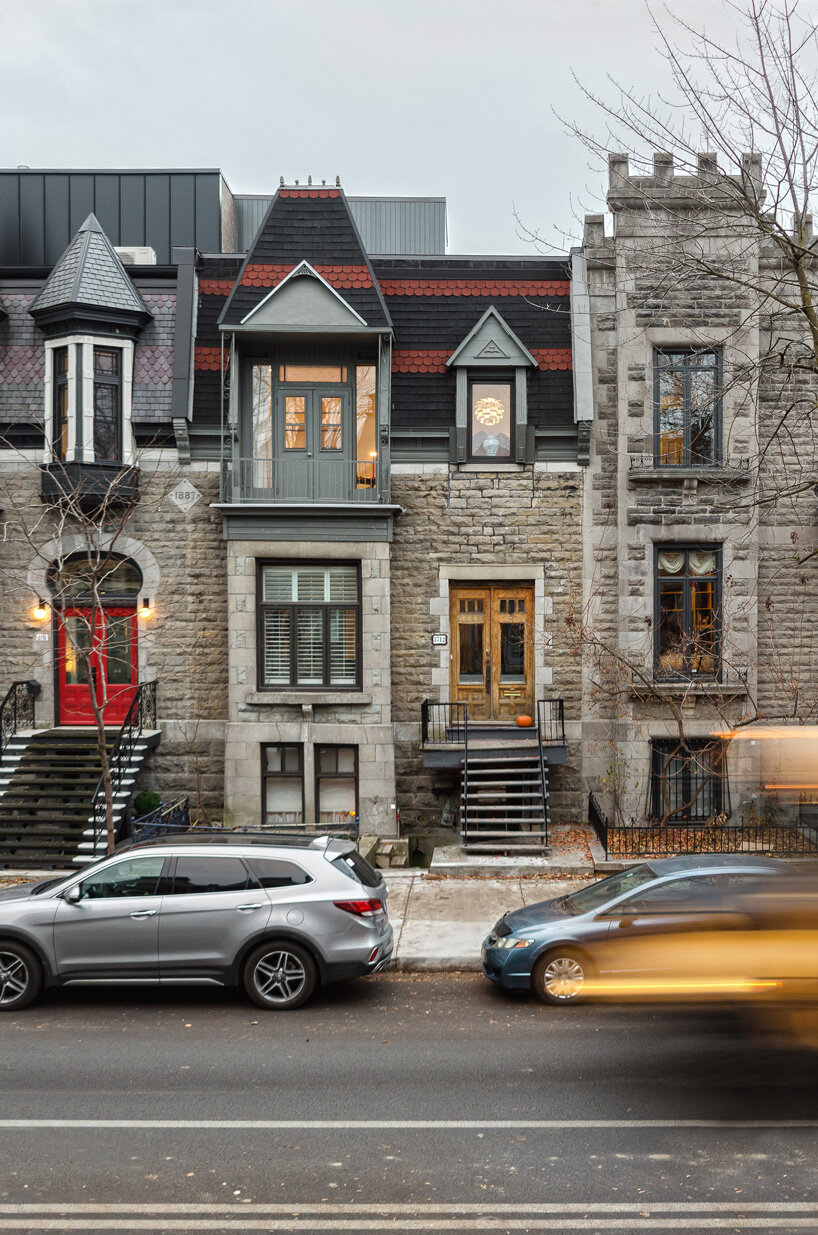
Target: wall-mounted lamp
[(145, 607), (40, 610)]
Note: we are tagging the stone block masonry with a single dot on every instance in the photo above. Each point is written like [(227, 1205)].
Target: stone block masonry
[(484, 527)]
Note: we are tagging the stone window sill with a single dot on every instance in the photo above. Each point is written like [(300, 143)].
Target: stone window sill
[(489, 465), (734, 687), (305, 698), (725, 474)]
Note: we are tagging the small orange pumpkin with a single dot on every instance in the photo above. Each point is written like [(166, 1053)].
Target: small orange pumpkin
[(524, 721)]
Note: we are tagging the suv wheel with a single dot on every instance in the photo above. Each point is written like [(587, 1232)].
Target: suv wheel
[(559, 976), (21, 976), (280, 975)]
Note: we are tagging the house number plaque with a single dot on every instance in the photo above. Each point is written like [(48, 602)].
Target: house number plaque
[(439, 641)]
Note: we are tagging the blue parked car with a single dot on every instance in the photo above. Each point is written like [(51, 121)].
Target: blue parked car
[(553, 947)]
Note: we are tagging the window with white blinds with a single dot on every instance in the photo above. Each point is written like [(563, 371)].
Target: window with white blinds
[(309, 622)]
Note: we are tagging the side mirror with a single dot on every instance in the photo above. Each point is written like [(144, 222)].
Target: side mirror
[(625, 920), (72, 894)]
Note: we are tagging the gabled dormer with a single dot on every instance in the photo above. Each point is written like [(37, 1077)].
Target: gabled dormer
[(309, 340)]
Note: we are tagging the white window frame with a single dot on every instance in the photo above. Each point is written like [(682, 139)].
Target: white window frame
[(87, 342)]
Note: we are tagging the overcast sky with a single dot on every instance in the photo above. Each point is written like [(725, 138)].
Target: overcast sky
[(445, 98)]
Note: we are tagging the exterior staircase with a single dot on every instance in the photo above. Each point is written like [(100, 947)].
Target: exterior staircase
[(47, 784), (504, 798)]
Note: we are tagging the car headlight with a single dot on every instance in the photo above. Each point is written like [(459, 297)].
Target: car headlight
[(510, 941)]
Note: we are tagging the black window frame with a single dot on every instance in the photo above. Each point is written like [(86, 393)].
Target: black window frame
[(336, 775), (60, 388), (113, 382), (272, 776), (687, 673), (293, 607), (718, 795), (476, 378), (686, 353)]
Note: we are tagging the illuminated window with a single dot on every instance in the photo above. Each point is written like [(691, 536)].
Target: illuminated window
[(687, 628), (490, 419)]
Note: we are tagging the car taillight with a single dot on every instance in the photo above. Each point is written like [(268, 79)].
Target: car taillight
[(361, 909)]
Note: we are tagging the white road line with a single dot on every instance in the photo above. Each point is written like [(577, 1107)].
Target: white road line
[(475, 1223), (372, 1208), (396, 1125)]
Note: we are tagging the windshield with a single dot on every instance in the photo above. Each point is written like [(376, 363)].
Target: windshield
[(45, 885), (600, 893)]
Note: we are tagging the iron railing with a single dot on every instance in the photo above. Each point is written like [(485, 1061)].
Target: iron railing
[(141, 716), (648, 463), (598, 820), (176, 826), (160, 822), (659, 840), (17, 710), (551, 720), (542, 716), (298, 479), (444, 723)]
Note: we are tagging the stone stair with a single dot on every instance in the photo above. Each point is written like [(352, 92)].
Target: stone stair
[(504, 800), (47, 783)]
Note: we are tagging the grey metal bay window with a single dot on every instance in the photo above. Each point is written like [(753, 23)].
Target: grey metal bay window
[(309, 626), (687, 389)]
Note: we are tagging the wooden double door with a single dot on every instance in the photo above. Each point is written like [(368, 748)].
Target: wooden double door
[(492, 650)]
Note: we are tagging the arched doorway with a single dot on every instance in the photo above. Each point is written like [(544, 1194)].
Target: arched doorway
[(94, 607)]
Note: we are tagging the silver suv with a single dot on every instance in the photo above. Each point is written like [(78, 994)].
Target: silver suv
[(278, 915)]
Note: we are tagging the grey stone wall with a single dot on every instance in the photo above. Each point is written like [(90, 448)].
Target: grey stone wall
[(758, 506), (183, 643), (468, 524)]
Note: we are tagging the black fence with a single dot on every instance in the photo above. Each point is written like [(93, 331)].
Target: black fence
[(598, 821), (443, 722), (551, 719)]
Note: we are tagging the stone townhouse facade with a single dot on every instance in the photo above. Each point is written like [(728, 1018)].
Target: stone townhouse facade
[(360, 469), (700, 526)]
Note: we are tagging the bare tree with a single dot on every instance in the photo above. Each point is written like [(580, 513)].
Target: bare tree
[(70, 521)]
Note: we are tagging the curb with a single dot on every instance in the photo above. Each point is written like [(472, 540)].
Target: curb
[(435, 964)]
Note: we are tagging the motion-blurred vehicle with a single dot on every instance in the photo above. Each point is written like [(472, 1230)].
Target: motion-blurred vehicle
[(677, 928)]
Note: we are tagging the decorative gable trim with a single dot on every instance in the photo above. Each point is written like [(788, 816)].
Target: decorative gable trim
[(302, 270), (492, 343)]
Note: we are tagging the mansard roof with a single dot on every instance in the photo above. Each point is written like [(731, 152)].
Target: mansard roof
[(90, 276), (311, 224)]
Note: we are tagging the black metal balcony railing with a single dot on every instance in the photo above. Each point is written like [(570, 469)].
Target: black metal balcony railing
[(442, 723), (300, 479), (447, 723), (17, 710), (649, 463)]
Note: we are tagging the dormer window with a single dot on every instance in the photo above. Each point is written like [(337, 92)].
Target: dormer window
[(491, 413), (88, 389), (490, 419), (107, 405), (59, 430)]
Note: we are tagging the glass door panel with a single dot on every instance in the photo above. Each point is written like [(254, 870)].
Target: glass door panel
[(492, 652), (96, 651)]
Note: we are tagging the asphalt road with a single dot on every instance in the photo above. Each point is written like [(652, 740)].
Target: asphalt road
[(410, 1102)]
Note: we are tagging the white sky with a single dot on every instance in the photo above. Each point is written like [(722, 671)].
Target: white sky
[(399, 97)]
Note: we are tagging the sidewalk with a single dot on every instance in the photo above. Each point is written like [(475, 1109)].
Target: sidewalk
[(440, 923)]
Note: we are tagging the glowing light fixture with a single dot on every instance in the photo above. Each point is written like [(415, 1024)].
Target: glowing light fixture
[(145, 607), (40, 610), (489, 411)]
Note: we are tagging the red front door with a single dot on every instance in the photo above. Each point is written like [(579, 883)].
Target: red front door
[(96, 651)]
